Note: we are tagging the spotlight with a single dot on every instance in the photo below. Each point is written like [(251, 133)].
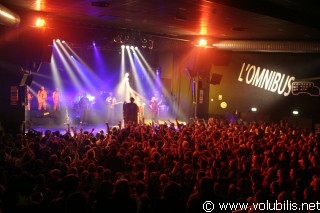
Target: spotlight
[(295, 112), (94, 43), (253, 109), (127, 47), (126, 77), (122, 46), (91, 97), (136, 48), (132, 47), (158, 70), (58, 40), (40, 22), (63, 41), (202, 42)]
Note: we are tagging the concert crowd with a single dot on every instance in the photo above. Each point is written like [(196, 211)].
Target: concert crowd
[(169, 167)]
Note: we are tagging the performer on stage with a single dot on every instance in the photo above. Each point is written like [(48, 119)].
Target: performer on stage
[(29, 99), (154, 108), (141, 105), (56, 100), (110, 101), (84, 105), (42, 98), (131, 111)]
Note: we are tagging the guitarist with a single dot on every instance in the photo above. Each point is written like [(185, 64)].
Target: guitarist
[(110, 101), (154, 108), (140, 105)]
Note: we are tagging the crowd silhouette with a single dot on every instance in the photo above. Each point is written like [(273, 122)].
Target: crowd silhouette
[(171, 167)]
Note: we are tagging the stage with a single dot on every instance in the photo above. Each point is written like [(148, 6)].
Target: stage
[(57, 120)]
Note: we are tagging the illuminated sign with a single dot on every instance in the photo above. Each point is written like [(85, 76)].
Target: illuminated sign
[(266, 79)]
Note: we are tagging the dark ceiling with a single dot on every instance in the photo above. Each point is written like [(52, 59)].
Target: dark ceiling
[(180, 20)]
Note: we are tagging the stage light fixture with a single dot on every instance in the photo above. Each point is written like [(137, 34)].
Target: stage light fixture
[(121, 41), (295, 112), (253, 109), (39, 5), (126, 38), (144, 43), (116, 39), (40, 22), (150, 44), (202, 42)]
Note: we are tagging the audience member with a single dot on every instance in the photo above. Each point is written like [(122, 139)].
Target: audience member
[(158, 167)]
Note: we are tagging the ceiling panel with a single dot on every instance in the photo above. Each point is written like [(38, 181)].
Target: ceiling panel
[(180, 20)]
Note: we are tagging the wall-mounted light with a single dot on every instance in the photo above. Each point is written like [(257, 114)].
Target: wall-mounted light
[(40, 23), (223, 105), (202, 42)]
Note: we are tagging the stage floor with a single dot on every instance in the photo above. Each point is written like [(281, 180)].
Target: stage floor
[(63, 128), (56, 121)]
